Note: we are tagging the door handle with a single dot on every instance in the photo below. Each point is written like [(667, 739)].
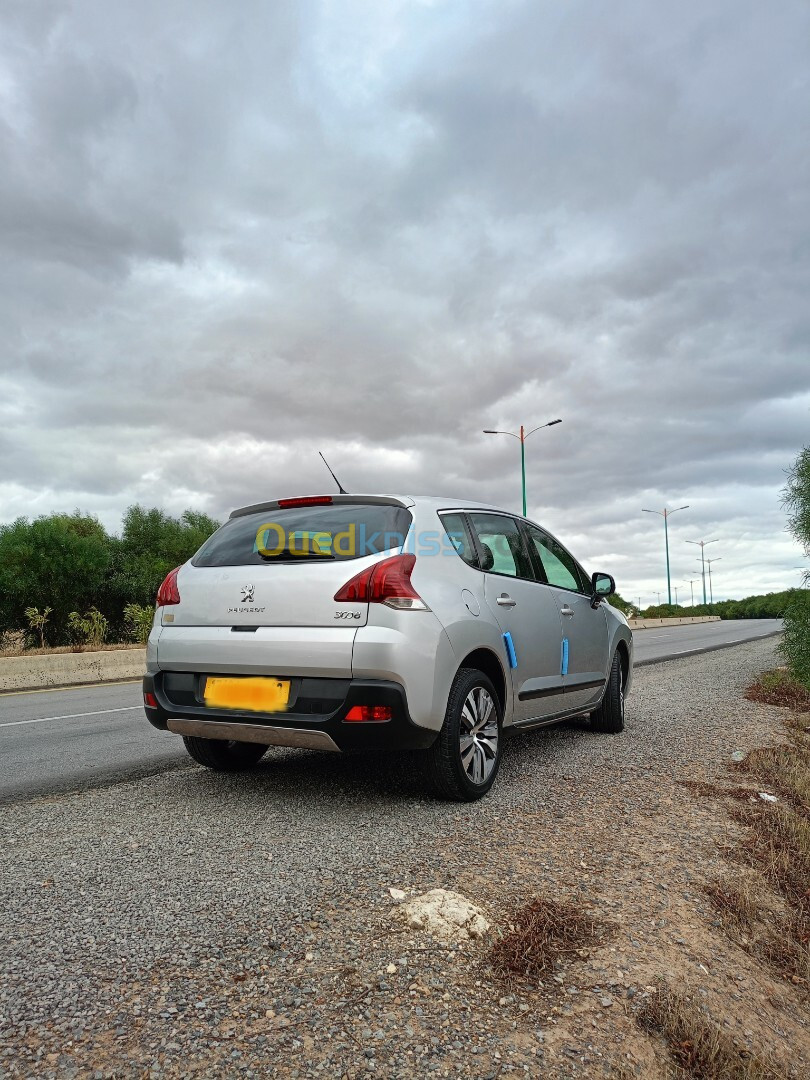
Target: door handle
[(567, 612), (505, 600)]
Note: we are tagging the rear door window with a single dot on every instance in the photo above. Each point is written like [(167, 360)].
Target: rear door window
[(337, 531), (459, 538), (501, 545)]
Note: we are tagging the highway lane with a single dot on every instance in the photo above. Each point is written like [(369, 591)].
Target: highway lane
[(67, 740), (671, 642)]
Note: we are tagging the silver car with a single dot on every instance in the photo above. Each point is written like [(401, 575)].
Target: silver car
[(342, 621)]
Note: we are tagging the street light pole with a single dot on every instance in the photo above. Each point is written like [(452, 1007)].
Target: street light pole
[(523, 467), (523, 436), (702, 544), (665, 514), (691, 583), (709, 564)]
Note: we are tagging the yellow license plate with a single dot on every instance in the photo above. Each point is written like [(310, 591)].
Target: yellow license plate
[(248, 695)]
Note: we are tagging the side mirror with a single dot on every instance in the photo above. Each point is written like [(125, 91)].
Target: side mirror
[(602, 585)]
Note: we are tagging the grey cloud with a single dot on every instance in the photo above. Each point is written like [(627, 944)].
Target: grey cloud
[(234, 235)]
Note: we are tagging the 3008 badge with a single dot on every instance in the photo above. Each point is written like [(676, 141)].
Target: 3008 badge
[(347, 615)]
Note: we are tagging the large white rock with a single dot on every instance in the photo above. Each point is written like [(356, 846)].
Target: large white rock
[(444, 914)]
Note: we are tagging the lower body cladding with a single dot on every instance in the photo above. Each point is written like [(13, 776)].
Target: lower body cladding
[(317, 716)]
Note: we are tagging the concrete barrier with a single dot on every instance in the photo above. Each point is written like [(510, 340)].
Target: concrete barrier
[(74, 669), (70, 669), (645, 624)]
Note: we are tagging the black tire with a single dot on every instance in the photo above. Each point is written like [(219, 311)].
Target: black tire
[(223, 755), (609, 717), (445, 769)]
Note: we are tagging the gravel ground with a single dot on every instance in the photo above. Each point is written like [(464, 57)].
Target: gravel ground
[(194, 925)]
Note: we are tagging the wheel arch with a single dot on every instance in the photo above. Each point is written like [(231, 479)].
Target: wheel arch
[(624, 659), (486, 661)]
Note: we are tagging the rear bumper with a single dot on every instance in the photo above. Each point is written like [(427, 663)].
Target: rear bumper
[(316, 718)]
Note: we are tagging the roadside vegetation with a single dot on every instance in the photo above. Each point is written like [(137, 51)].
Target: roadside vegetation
[(697, 1046), (764, 901), (763, 606), (66, 582), (796, 639)]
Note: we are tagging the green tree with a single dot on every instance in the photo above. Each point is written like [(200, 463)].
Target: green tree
[(151, 544), (796, 499), (60, 561)]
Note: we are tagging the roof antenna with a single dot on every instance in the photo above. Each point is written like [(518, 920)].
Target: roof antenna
[(341, 488)]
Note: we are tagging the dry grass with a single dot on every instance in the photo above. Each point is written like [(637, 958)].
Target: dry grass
[(778, 688), (752, 921), (776, 843), (698, 1047), (542, 934), (784, 769)]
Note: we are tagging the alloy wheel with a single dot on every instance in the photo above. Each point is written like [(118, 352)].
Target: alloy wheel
[(478, 735)]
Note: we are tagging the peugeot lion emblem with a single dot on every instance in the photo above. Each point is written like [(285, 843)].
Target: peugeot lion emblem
[(247, 594)]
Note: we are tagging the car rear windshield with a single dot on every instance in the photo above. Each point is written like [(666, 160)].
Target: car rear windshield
[(339, 531)]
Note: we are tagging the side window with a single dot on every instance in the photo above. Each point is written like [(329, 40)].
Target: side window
[(559, 567), (501, 545), (459, 538)]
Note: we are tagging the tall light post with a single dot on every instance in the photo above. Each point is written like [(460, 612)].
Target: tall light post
[(675, 587), (658, 594), (691, 583), (709, 564), (522, 437), (702, 544), (667, 514)]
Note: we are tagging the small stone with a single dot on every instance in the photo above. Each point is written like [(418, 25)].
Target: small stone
[(392, 969), (398, 894), (606, 1001)]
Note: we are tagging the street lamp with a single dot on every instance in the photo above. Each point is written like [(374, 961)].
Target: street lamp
[(666, 514), (709, 564), (691, 583), (702, 544), (523, 436), (675, 587)]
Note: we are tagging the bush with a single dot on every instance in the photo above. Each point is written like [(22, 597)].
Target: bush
[(795, 645), (38, 620), (88, 629), (138, 621)]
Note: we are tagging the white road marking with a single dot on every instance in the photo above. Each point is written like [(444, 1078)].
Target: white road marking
[(71, 716)]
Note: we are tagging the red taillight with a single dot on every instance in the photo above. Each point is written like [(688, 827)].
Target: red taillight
[(168, 593), (149, 700), (307, 500), (369, 714), (386, 582)]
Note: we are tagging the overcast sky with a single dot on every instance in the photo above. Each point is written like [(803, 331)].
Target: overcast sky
[(236, 233)]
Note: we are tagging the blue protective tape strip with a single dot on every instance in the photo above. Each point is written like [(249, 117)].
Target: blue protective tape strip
[(564, 657), (510, 649)]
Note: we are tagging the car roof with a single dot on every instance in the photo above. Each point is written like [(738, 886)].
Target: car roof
[(434, 502)]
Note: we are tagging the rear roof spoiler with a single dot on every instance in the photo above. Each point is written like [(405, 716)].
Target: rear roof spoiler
[(374, 500)]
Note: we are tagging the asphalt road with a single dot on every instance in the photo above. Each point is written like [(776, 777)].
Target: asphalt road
[(670, 642), (66, 740)]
